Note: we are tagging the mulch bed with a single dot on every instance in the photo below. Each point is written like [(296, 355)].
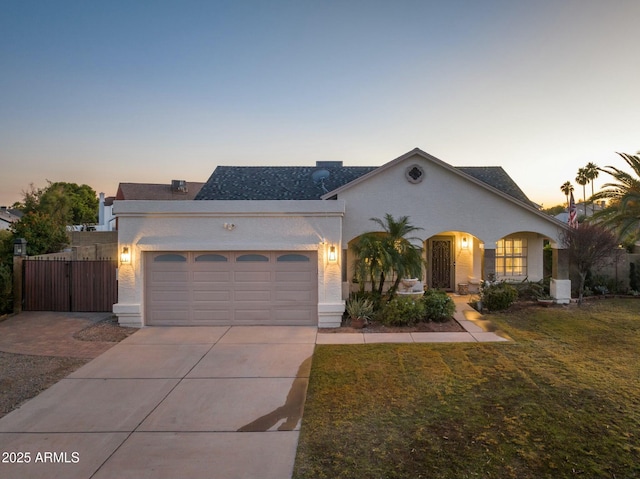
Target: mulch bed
[(450, 326), (107, 330)]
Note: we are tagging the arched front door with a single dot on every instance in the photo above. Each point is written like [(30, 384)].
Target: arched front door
[(440, 263)]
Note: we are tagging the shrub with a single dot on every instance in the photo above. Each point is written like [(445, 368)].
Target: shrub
[(528, 290), (373, 297), (402, 311), (6, 289), (498, 296), (359, 308), (438, 305)]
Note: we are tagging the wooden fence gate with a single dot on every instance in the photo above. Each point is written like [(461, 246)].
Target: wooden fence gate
[(61, 285)]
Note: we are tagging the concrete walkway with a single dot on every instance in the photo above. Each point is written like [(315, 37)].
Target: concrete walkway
[(187, 402)]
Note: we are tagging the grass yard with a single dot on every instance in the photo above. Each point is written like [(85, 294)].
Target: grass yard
[(561, 401)]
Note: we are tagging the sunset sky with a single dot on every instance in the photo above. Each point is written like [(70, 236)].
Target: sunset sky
[(103, 92)]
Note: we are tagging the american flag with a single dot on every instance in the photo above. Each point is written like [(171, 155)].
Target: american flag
[(573, 213)]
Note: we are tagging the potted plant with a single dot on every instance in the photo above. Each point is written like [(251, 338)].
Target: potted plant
[(360, 311), (545, 300)]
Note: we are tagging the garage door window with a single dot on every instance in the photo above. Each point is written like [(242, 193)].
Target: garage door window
[(252, 258), (293, 258), (170, 257), (212, 257)]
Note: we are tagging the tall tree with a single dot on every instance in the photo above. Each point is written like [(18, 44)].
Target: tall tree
[(68, 203), (588, 247), (48, 211), (567, 188), (44, 234), (582, 180), (591, 171), (623, 192)]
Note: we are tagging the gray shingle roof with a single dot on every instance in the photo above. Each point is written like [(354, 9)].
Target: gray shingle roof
[(297, 183), (498, 178), (276, 183)]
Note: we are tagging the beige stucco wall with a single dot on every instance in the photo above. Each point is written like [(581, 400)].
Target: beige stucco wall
[(446, 203), (206, 225)]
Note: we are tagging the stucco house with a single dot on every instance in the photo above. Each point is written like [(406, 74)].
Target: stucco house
[(270, 245), (8, 216)]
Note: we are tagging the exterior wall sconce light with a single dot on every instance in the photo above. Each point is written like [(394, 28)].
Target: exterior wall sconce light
[(229, 226), (333, 255), (465, 243), (125, 256), (20, 247)]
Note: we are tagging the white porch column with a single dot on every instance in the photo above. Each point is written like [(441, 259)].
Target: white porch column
[(560, 287)]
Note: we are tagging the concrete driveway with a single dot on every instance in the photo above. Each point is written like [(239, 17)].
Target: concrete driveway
[(210, 402)]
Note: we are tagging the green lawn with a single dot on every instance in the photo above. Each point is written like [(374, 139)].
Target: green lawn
[(562, 400)]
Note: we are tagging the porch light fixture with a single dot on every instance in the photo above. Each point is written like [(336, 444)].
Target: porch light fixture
[(465, 243), (333, 255), (20, 247), (125, 256)]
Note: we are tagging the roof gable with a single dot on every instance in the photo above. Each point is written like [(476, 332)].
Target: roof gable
[(491, 177)]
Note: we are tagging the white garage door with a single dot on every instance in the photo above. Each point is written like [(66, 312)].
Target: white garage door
[(231, 288)]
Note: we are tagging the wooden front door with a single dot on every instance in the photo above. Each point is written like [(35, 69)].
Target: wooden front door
[(441, 263)]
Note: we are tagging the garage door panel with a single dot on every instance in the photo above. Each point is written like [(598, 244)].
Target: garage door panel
[(300, 297), (223, 288), (210, 288), (297, 276), (170, 276), (292, 286), (213, 315), (168, 315), (252, 296), (252, 276), (171, 297), (212, 276), (211, 297)]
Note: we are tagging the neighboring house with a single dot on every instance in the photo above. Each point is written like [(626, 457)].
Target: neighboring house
[(176, 190), (270, 245), (180, 190), (8, 216), (106, 218), (583, 210)]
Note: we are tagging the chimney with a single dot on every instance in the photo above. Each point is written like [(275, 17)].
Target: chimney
[(179, 186), (328, 164)]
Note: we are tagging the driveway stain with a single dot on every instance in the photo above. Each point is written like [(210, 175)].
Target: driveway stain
[(292, 409)]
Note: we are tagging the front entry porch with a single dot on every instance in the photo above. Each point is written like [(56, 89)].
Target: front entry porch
[(458, 261)]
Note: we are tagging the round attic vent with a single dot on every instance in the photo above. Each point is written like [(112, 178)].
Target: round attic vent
[(414, 174)]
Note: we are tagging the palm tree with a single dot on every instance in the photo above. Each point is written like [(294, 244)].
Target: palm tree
[(592, 172), (390, 252), (567, 188), (371, 261), (623, 193), (582, 180)]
